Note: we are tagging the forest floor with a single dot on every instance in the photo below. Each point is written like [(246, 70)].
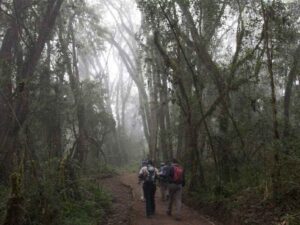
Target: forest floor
[(121, 210), (128, 209)]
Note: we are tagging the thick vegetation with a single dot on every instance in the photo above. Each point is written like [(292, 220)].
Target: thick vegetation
[(57, 131), (223, 91)]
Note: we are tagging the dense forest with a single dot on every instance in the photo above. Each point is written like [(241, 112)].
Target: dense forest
[(90, 88)]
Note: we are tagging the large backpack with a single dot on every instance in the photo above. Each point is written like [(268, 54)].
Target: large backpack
[(150, 176), (165, 171), (178, 174)]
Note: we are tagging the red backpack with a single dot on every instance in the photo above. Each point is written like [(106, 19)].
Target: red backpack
[(178, 174)]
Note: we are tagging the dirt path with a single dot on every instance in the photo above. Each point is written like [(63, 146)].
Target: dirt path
[(121, 211), (189, 216)]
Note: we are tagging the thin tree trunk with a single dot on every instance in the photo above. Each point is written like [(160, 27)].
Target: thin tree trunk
[(163, 147), (72, 70), (288, 91), (276, 137), (80, 107), (152, 81)]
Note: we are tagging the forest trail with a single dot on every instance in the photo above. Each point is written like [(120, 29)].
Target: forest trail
[(189, 216), (120, 212)]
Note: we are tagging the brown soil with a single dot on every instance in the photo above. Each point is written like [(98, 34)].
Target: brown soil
[(128, 209), (189, 216), (121, 212)]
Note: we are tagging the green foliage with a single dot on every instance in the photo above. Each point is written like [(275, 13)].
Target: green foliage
[(216, 191), (292, 219), (130, 168), (48, 199), (250, 191), (4, 194), (92, 209), (109, 170)]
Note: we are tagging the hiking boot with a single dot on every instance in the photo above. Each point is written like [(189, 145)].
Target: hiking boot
[(169, 213)]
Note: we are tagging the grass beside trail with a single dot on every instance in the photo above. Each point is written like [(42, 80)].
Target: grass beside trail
[(50, 201), (130, 168), (91, 208)]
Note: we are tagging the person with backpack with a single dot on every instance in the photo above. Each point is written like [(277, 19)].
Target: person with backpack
[(140, 182), (148, 174), (176, 184), (163, 180)]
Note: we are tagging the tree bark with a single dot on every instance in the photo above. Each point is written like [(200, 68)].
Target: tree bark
[(288, 92), (134, 70), (21, 110), (276, 138)]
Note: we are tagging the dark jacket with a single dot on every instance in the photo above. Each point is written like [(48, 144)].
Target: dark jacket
[(164, 173)]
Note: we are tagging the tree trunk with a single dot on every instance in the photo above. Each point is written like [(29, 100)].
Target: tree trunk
[(163, 146), (52, 128), (196, 168), (288, 91), (72, 70), (134, 69), (81, 152), (269, 51), (6, 104), (21, 109), (152, 81)]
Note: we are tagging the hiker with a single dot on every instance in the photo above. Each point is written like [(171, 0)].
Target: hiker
[(176, 183), (164, 172), (140, 182), (149, 174)]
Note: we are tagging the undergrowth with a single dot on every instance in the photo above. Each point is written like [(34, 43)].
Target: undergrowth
[(4, 192), (57, 199), (249, 196), (130, 167)]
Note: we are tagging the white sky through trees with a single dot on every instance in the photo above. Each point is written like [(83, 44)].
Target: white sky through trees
[(111, 56), (110, 59)]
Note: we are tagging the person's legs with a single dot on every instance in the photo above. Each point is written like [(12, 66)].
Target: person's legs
[(162, 190), (178, 201), (153, 190), (167, 191), (147, 195), (172, 191)]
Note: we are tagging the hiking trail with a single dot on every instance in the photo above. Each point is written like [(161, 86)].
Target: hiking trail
[(189, 216)]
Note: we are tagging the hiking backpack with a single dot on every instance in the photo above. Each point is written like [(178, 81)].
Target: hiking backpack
[(150, 176), (178, 174), (165, 171)]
